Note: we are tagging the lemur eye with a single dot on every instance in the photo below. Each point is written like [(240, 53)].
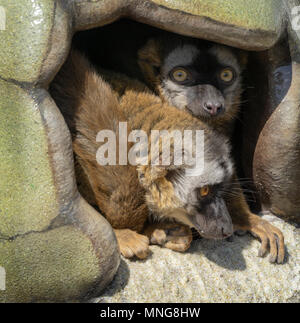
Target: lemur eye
[(179, 75), (204, 191), (227, 75)]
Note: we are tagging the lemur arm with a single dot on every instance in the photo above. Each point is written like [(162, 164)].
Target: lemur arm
[(244, 219)]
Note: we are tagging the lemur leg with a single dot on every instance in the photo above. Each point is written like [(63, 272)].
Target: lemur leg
[(244, 219), (126, 219), (132, 243), (174, 236)]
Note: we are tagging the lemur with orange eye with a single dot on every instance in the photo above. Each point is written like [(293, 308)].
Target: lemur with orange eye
[(205, 79), (126, 194)]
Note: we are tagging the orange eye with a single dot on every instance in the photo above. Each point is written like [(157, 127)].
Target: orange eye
[(227, 75), (204, 191)]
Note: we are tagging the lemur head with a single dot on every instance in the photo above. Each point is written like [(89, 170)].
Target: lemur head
[(192, 74), (195, 198), (202, 194)]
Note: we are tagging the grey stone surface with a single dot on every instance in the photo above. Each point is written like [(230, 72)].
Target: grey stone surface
[(211, 271)]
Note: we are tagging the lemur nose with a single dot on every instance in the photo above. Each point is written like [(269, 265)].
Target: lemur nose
[(213, 108)]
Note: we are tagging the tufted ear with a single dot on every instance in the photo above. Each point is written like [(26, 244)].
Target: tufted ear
[(149, 60), (150, 53)]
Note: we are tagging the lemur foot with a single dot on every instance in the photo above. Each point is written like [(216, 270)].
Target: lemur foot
[(132, 243), (269, 236), (173, 236)]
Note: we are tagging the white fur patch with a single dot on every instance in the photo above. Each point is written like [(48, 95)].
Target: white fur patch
[(176, 94)]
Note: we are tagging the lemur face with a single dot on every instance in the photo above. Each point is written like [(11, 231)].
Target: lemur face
[(202, 77), (204, 81), (202, 195)]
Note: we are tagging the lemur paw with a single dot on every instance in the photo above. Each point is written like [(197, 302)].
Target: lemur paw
[(269, 235), (173, 236), (132, 243)]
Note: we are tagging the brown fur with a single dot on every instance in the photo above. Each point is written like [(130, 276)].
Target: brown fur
[(88, 110), (150, 59), (89, 104)]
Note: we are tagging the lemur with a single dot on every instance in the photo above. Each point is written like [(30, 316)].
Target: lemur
[(91, 101), (205, 79)]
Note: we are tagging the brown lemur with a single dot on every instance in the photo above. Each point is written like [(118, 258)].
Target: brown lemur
[(205, 79), (128, 194)]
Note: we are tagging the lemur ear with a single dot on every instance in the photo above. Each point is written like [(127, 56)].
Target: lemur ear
[(149, 60), (150, 53)]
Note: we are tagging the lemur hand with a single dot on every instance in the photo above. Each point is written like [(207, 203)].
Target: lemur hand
[(173, 236)]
